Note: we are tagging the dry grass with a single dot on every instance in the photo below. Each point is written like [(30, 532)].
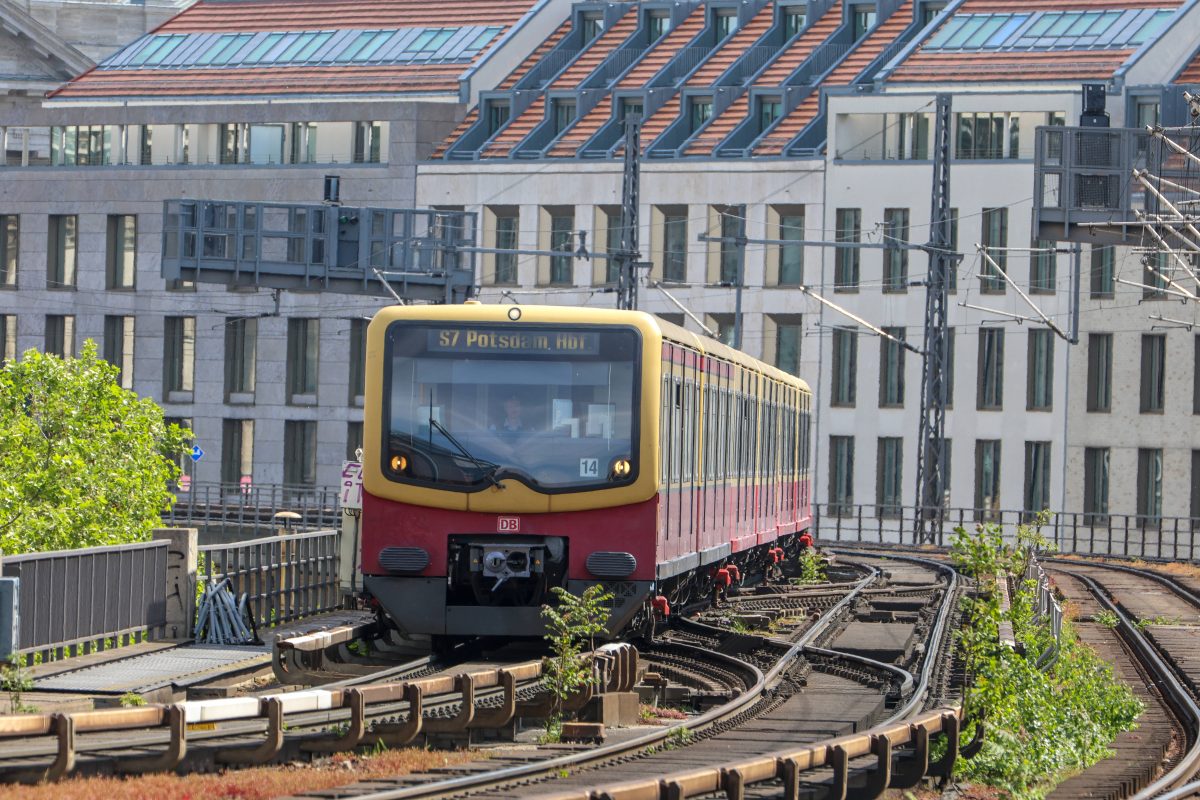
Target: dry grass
[(258, 783), (1179, 569)]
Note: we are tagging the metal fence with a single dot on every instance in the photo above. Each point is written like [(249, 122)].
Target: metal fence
[(1131, 535), (72, 597), (283, 577), (230, 506)]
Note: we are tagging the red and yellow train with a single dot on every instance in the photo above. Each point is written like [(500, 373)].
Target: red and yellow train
[(512, 449)]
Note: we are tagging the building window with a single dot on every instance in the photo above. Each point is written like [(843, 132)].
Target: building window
[(497, 115), (1196, 376), (60, 335), (849, 229), (864, 20), (300, 453), (995, 240), (1146, 113), (303, 351), (354, 441), (699, 112), (675, 246), (1042, 268), (888, 477), (630, 106), (730, 253), (61, 253), (146, 145), (1102, 271), (237, 452), (990, 389), (952, 268), (841, 475), (845, 367), (591, 26), (793, 20), (987, 479), (241, 359), (723, 327), (358, 361), (303, 136), (564, 115), (769, 110), (791, 256), (948, 370), (657, 26), (8, 337), (1154, 266), (562, 236), (506, 239), (118, 347), (1194, 505), (726, 22), (229, 143), (1039, 378), (1099, 375), (612, 242), (895, 257), (121, 257), (179, 354), (891, 369), (1149, 485), (988, 136), (10, 248), (1154, 355), (368, 140), (1037, 476), (1095, 485), (788, 331)]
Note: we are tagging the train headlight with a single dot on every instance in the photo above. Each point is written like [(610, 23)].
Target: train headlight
[(399, 462), (622, 468)]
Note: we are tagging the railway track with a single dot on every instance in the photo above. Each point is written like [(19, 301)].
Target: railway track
[(1155, 647), (803, 695), (789, 685)]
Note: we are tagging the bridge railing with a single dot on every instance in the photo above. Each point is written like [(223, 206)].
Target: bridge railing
[(90, 598), (1131, 535), (239, 507), (283, 577)]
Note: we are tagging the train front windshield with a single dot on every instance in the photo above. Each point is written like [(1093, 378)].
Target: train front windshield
[(552, 406)]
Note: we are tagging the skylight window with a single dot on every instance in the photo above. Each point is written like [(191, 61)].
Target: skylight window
[(342, 47), (1051, 30)]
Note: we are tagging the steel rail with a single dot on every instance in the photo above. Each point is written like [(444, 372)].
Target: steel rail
[(1174, 693), (639, 744)]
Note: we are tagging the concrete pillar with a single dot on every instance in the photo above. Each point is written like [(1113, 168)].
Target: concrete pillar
[(25, 147), (3, 145), (182, 555)]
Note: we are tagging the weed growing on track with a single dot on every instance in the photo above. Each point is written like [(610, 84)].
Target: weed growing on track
[(1043, 724), (570, 624), (812, 568)]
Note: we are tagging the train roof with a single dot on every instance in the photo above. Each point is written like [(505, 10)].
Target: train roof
[(493, 312)]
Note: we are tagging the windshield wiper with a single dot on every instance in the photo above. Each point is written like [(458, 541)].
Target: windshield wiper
[(488, 471)]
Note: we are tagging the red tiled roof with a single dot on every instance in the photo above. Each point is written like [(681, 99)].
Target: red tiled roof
[(715, 132), (300, 15), (536, 56), (1009, 66), (843, 75), (230, 16), (733, 47), (1016, 65), (647, 67), (571, 77), (1191, 72), (272, 81), (462, 128)]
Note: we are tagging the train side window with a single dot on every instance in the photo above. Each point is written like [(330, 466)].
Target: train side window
[(664, 422)]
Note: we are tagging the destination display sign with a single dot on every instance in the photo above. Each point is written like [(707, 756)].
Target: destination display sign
[(528, 342)]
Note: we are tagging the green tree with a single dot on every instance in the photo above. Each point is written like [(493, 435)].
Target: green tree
[(83, 462)]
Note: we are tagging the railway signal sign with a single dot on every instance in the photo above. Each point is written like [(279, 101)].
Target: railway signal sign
[(197, 453)]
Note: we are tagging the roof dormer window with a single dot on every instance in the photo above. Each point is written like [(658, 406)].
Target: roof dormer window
[(657, 25), (591, 25), (864, 20), (725, 20), (793, 20)]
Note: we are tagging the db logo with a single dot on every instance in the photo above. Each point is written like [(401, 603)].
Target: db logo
[(508, 524)]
